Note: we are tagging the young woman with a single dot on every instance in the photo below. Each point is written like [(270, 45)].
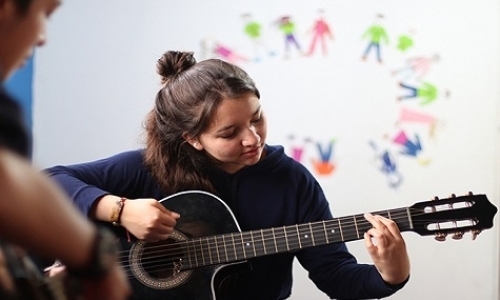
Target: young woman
[(34, 213), (207, 131)]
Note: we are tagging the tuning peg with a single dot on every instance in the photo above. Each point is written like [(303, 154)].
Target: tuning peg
[(458, 235), (475, 233), (439, 236)]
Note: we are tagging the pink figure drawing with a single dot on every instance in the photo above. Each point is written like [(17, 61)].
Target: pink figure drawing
[(211, 47), (321, 31)]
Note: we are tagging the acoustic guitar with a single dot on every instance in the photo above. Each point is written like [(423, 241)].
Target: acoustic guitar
[(207, 244)]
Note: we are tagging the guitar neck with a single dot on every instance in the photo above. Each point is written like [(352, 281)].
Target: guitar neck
[(239, 246)]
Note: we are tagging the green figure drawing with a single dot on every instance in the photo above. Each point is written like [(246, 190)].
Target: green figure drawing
[(287, 27), (426, 92), (254, 31), (376, 34)]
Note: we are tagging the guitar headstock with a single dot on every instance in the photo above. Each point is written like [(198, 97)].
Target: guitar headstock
[(455, 215)]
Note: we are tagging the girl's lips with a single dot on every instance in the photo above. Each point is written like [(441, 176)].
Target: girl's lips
[(252, 152)]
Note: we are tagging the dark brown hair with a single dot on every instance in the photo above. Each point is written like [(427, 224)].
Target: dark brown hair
[(190, 96), (23, 5)]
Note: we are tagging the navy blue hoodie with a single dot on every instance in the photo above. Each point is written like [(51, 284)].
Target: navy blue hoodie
[(277, 191)]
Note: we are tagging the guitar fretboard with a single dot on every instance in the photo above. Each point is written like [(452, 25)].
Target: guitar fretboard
[(239, 246)]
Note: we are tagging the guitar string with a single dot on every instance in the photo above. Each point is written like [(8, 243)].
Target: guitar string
[(213, 247), (239, 239)]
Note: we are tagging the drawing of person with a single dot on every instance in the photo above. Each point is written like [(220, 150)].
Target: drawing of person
[(321, 30), (213, 48), (376, 34), (286, 26), (253, 30), (426, 92), (417, 66)]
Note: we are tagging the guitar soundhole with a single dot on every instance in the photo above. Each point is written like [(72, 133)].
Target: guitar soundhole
[(159, 265)]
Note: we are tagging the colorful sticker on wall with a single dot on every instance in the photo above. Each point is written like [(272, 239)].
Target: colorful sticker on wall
[(211, 47), (416, 67), (405, 41), (253, 30), (289, 29), (425, 92), (320, 154), (375, 35), (415, 92), (387, 165), (321, 31)]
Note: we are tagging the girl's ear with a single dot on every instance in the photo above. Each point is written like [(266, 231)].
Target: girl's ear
[(192, 141)]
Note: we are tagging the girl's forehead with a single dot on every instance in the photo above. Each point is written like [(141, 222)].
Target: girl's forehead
[(235, 110)]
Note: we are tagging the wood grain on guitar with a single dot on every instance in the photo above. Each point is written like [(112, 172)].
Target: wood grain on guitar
[(208, 243)]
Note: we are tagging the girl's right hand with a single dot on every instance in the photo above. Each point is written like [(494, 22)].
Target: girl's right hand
[(147, 219)]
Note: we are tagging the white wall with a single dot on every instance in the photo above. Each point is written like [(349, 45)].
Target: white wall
[(96, 80)]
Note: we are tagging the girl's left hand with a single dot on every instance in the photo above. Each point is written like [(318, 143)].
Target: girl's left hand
[(387, 249)]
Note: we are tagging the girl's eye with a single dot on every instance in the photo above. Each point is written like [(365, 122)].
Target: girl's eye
[(228, 135), (257, 120)]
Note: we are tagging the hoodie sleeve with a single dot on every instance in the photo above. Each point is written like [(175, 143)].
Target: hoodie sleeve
[(123, 174)]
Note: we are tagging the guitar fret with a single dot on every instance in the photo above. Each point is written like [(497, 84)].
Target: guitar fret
[(253, 244), (286, 239), (202, 250), (312, 235), (298, 235), (324, 230), (225, 247), (209, 250), (217, 249), (240, 249), (356, 225), (263, 242), (410, 221), (243, 246), (258, 244), (340, 228), (234, 247), (274, 239)]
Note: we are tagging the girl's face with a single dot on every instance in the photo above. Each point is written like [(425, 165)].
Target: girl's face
[(21, 32), (236, 134)]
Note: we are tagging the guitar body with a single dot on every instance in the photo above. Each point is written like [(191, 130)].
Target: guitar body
[(154, 276)]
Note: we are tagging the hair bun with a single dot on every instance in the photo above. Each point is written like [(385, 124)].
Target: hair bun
[(172, 63)]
